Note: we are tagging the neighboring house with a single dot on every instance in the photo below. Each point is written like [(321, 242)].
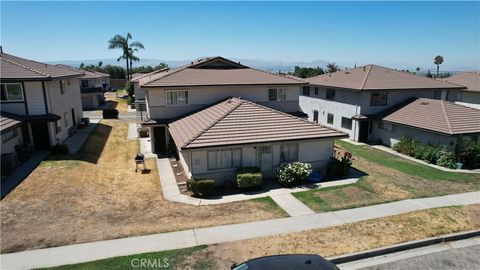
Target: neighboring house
[(173, 93), (471, 95), (40, 103), (233, 133), (346, 99), (139, 93), (93, 85), (427, 121)]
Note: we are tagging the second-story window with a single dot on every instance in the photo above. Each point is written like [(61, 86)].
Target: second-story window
[(84, 83), (277, 94), (62, 87), (316, 91), (12, 92), (177, 97), (330, 94), (306, 91), (378, 98)]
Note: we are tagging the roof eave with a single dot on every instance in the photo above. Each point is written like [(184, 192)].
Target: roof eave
[(235, 84)]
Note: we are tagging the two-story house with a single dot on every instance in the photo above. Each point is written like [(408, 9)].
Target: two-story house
[(40, 103), (470, 96), (346, 100), (219, 115)]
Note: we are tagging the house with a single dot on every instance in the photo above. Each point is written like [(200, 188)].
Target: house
[(40, 103), (427, 121), (93, 84), (470, 96), (346, 100), (211, 143), (173, 93), (139, 93)]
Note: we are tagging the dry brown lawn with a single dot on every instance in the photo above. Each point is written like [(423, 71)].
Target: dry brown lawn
[(116, 103), (97, 195), (346, 238)]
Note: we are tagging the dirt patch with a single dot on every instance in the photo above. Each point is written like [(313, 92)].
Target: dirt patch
[(349, 238), (97, 195)]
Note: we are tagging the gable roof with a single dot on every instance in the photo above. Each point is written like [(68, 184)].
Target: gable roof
[(436, 115), (471, 80), (16, 68), (87, 74), (215, 71), (237, 121), (137, 76), (9, 121), (373, 77)]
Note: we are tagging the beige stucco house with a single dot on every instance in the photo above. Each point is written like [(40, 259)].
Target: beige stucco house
[(470, 96)]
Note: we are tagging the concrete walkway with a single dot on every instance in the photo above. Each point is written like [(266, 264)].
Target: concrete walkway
[(76, 141), (204, 236), (292, 205), (132, 134)]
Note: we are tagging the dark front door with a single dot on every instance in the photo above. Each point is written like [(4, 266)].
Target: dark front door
[(159, 139), (41, 139), (363, 132)]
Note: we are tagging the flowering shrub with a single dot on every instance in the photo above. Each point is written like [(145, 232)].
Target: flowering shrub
[(447, 160), (293, 173), (339, 164)]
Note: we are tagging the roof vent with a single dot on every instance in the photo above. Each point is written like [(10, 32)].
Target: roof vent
[(424, 103), (347, 72)]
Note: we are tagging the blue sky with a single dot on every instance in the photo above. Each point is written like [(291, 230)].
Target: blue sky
[(399, 34)]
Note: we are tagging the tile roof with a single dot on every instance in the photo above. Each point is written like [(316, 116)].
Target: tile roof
[(137, 76), (9, 121), (436, 115), (87, 74), (215, 71), (237, 121), (17, 68), (373, 77), (471, 80)]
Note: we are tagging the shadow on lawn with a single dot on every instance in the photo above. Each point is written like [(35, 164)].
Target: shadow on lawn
[(92, 148)]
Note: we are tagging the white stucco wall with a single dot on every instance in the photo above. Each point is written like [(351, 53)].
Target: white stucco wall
[(9, 146), (35, 98), (139, 92)]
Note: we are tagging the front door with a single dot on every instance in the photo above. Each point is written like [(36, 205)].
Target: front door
[(41, 137), (363, 132), (159, 139), (264, 154)]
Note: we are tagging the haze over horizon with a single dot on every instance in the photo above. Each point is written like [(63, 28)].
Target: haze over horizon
[(400, 35)]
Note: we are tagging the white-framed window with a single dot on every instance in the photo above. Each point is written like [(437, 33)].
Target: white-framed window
[(385, 126), (12, 92), (9, 135), (177, 97), (346, 123), (378, 98), (277, 94), (224, 159), (288, 153), (330, 118), (62, 87), (65, 117)]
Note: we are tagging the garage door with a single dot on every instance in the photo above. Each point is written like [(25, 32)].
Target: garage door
[(87, 102)]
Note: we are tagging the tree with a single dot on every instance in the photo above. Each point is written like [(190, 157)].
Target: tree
[(100, 64), (417, 69), (429, 75), (438, 61), (305, 72), (82, 65), (332, 67), (122, 42)]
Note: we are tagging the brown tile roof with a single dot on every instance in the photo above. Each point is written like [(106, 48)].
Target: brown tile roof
[(17, 68), (373, 77), (9, 121), (469, 79), (215, 71), (237, 121), (137, 76), (87, 74), (436, 115)]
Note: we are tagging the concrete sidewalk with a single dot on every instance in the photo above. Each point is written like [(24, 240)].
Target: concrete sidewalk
[(204, 236)]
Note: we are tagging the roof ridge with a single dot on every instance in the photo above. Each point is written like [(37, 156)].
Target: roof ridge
[(366, 77), (445, 114), (27, 68), (201, 132)]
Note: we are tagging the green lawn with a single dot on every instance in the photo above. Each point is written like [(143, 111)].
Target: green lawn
[(388, 178), (171, 259)]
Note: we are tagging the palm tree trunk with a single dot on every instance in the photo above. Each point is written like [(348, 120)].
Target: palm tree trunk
[(131, 68), (126, 60), (438, 67)]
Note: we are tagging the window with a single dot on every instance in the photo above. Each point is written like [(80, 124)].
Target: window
[(224, 159), (385, 126), (346, 123), (59, 126), (330, 94), (65, 116), (315, 116), (288, 153), (62, 87), (9, 135), (378, 98), (84, 83), (306, 91), (277, 94), (330, 118), (316, 91), (177, 97), (12, 92)]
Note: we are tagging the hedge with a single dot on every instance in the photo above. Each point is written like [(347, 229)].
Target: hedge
[(249, 177), (201, 188)]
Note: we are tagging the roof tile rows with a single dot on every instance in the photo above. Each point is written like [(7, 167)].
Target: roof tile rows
[(87, 74), (237, 121), (469, 79), (9, 121)]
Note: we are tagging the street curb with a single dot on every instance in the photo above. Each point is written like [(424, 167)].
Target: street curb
[(403, 246)]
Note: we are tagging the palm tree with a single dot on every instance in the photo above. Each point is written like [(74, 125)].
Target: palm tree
[(438, 61), (132, 57), (122, 42), (417, 69), (332, 67)]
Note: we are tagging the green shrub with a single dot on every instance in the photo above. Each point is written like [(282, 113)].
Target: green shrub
[(130, 88), (447, 160), (293, 173), (60, 149), (468, 152), (340, 164), (406, 145), (249, 177), (431, 152), (201, 188), (130, 100)]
